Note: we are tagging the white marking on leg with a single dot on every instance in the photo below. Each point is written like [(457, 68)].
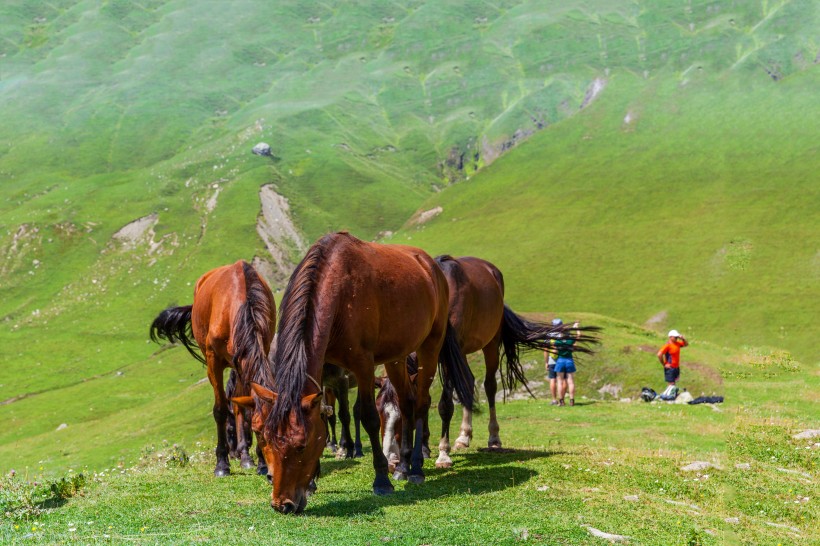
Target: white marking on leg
[(494, 440), (389, 444), (466, 432)]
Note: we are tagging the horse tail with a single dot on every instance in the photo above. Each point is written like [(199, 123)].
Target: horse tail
[(250, 329), (518, 333), (454, 369), (174, 325)]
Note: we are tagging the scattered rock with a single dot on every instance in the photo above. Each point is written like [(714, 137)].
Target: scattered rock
[(131, 233), (796, 472), (743, 466), (607, 536), (698, 465), (262, 149), (807, 434), (425, 216), (62, 426), (686, 504), (543, 487), (684, 398), (631, 498), (612, 390), (625, 400), (781, 526), (733, 521)]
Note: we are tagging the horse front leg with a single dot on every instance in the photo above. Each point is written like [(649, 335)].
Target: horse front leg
[(357, 423), (346, 443), (370, 420), (445, 410), (220, 412)]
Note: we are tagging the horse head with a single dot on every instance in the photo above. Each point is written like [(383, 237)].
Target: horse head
[(292, 449)]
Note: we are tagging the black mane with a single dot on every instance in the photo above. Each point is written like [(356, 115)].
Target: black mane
[(295, 323)]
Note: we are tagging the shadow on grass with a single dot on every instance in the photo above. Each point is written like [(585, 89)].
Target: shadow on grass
[(474, 474)]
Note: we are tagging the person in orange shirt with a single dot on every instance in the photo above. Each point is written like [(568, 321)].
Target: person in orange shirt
[(669, 356)]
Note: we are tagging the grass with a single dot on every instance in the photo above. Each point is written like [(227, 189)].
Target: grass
[(567, 468)]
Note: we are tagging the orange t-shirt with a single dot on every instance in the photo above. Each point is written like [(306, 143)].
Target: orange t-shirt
[(671, 353)]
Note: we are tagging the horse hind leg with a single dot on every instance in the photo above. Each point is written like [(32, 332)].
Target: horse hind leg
[(446, 409), (220, 411), (244, 438), (491, 361)]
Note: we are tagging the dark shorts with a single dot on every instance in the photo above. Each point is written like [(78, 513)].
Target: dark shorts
[(551, 371), (671, 374)]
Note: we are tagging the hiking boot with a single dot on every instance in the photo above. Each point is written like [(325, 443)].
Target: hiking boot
[(554, 403), (561, 403), (572, 401)]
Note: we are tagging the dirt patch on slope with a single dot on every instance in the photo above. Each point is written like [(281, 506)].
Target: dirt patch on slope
[(278, 232)]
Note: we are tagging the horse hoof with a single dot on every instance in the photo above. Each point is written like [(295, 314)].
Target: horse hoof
[(460, 444), (340, 454), (248, 464), (382, 490), (444, 464), (425, 452), (494, 445), (398, 475), (222, 472), (262, 470), (358, 454), (416, 478)]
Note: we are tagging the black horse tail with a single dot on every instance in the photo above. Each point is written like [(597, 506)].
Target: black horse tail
[(454, 369), (251, 326), (518, 333), (174, 325)]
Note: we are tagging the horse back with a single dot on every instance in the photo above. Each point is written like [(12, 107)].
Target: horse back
[(476, 300), (217, 297), (393, 298)]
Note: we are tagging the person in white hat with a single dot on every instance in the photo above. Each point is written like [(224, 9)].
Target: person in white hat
[(669, 357)]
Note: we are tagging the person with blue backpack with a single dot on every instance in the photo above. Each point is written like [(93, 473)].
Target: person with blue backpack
[(564, 362)]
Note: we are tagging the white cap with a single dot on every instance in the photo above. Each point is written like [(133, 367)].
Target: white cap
[(674, 333), (557, 322)]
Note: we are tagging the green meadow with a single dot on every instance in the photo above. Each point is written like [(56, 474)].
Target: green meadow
[(641, 166)]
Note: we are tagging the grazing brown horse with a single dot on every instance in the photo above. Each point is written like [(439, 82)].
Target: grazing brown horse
[(231, 320), (355, 304), (483, 322)]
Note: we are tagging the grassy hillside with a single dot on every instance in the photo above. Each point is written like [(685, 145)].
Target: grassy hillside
[(683, 216), (557, 132)]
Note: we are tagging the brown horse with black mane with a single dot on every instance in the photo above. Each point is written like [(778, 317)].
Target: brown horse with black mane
[(483, 322), (355, 304), (231, 321)]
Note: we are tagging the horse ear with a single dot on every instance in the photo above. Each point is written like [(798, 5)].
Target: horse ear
[(311, 401), (244, 401), (263, 393)]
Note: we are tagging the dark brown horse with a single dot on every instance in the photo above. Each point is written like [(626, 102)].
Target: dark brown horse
[(355, 304), (231, 321), (483, 322)]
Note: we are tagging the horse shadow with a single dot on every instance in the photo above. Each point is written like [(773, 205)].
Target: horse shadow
[(474, 474)]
